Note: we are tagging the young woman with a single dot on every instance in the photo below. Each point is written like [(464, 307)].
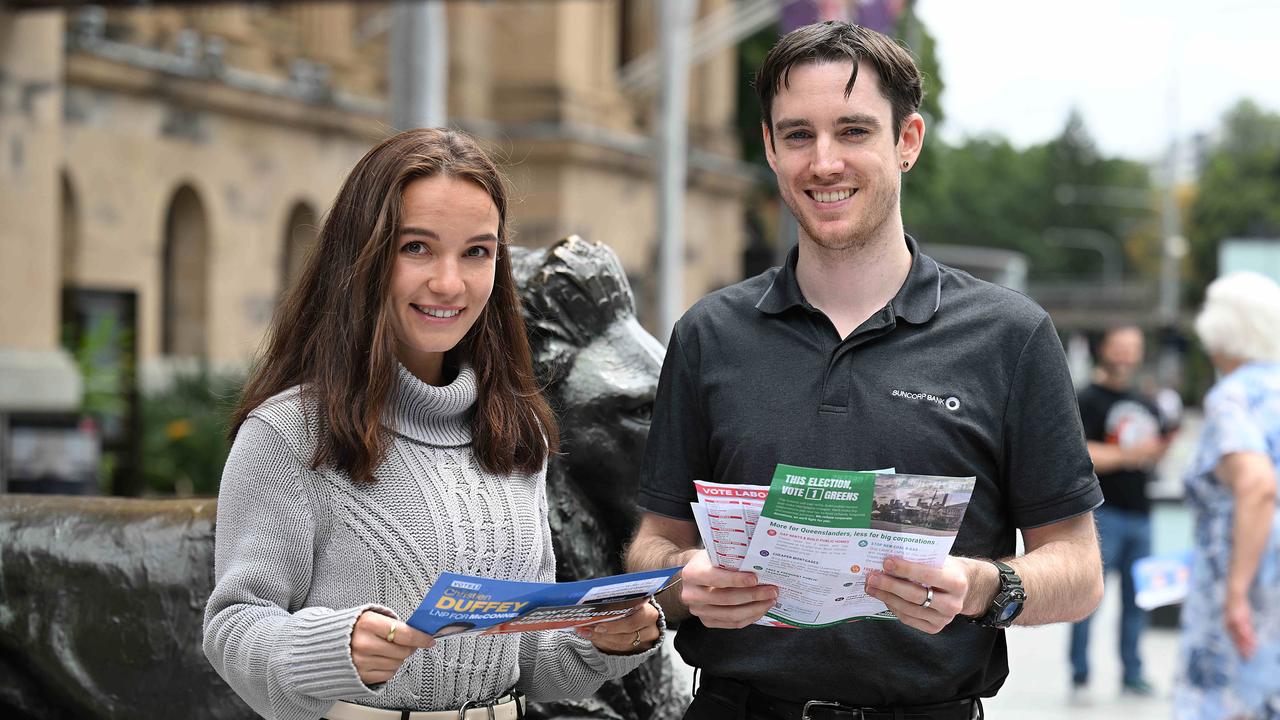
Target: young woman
[(391, 431)]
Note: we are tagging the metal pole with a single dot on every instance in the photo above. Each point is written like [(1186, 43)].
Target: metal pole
[(675, 18), (418, 64), (788, 234), (1172, 245)]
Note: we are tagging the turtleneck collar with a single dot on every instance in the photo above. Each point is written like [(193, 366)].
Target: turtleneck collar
[(433, 415)]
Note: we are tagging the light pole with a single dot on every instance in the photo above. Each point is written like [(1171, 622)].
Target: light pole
[(418, 64), (675, 18)]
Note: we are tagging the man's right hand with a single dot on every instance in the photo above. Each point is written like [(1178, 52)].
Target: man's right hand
[(1146, 454), (724, 598)]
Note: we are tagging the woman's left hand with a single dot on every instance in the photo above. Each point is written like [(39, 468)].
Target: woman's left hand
[(634, 633), (1239, 619)]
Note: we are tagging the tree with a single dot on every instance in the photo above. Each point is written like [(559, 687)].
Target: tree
[(1083, 183), (986, 192), (916, 36), (1239, 192), (751, 53)]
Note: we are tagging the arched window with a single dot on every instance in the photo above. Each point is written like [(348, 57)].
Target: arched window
[(186, 285), (69, 230), (300, 233)]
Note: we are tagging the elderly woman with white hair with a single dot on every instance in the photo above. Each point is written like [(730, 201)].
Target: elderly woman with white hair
[(1230, 664)]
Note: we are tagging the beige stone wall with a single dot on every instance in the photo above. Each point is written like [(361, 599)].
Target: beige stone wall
[(471, 63), (30, 116), (566, 188), (559, 61), (266, 38), (35, 373), (249, 175), (713, 98), (603, 188), (537, 77)]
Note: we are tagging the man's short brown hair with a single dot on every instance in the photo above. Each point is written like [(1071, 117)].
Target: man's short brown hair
[(834, 41)]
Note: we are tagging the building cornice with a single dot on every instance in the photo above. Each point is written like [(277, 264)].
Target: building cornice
[(197, 77), (205, 94), (614, 150)]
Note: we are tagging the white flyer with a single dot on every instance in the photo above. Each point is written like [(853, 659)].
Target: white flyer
[(731, 512), (819, 532)]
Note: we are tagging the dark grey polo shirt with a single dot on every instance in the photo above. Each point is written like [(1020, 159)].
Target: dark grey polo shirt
[(955, 376)]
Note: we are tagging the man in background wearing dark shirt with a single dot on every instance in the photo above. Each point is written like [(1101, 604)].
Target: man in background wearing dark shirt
[(1126, 439)]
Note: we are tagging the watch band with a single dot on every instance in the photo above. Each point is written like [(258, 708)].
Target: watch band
[(1007, 605)]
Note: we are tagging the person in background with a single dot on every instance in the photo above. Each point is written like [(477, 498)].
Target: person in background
[(392, 431), (1229, 664), (1126, 437)]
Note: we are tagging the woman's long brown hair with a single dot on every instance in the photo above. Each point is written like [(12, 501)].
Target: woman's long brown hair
[(332, 333)]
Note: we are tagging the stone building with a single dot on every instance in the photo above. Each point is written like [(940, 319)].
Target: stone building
[(168, 165)]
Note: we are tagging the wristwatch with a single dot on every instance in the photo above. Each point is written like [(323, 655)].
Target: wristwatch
[(1007, 604)]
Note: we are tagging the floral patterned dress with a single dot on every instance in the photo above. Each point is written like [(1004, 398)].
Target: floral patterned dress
[(1242, 413)]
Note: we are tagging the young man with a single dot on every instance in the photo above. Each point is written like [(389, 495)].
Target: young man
[(834, 361), (1126, 438)]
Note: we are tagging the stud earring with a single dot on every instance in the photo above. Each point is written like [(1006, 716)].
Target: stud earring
[(905, 164)]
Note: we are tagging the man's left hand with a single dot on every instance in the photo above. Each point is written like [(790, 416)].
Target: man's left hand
[(959, 585)]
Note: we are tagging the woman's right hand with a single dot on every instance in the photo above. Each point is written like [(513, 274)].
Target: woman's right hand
[(377, 652)]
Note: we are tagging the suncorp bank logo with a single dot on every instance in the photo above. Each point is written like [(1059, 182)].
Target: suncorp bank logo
[(951, 403)]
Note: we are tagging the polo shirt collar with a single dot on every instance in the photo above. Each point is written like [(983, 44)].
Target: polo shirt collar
[(917, 300)]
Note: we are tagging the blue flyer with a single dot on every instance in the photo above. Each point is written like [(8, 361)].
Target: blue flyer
[(1162, 579), (469, 605)]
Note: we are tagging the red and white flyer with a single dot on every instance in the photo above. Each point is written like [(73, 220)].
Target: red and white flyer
[(731, 513)]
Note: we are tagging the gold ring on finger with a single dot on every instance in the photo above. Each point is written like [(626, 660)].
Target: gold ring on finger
[(636, 641), (391, 636)]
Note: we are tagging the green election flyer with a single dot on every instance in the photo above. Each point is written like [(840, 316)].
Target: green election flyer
[(821, 530)]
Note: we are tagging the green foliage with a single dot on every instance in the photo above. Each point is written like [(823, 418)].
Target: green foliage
[(920, 41), (184, 433), (103, 357), (103, 364), (751, 52), (1239, 194), (182, 427), (986, 192)]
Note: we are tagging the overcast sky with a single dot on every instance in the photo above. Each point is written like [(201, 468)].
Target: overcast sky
[(1017, 68)]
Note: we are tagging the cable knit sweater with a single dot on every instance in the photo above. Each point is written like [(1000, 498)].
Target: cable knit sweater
[(301, 553)]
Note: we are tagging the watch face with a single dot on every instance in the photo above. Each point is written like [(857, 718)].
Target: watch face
[(1008, 612)]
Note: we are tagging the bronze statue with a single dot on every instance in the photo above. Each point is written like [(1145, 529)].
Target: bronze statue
[(600, 372), (101, 599)]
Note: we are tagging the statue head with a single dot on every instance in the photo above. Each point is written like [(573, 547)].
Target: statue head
[(598, 365)]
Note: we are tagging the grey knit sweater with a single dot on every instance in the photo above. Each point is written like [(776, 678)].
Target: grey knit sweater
[(301, 553)]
